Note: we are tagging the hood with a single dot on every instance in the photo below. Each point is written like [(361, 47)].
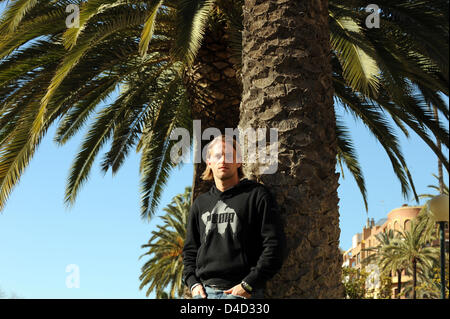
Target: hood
[(243, 183)]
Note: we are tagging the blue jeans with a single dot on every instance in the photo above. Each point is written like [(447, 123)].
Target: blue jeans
[(215, 293)]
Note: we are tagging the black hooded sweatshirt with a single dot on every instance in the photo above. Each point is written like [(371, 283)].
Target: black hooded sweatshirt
[(233, 236)]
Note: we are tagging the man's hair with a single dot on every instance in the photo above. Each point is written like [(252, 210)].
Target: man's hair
[(207, 174)]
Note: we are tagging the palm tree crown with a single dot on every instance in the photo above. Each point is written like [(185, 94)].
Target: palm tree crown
[(51, 74), (412, 248)]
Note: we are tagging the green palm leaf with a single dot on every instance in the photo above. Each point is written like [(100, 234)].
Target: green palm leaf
[(155, 145), (87, 11), (98, 135), (14, 14), (359, 69), (347, 153), (147, 31), (192, 17)]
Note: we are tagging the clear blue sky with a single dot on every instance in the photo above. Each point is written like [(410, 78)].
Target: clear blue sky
[(102, 234)]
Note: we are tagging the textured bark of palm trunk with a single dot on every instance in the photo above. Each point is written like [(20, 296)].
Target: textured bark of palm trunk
[(287, 85), (215, 93), (414, 278), (439, 163)]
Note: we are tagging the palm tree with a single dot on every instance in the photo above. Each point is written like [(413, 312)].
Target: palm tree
[(287, 84), (391, 263), (387, 262), (147, 83), (184, 57), (390, 260), (165, 266), (383, 239), (413, 249)]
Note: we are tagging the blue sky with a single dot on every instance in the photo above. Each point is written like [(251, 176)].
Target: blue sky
[(102, 234)]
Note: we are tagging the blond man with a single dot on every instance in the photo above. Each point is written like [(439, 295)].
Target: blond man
[(235, 240)]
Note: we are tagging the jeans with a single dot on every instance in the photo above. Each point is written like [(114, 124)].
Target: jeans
[(215, 293)]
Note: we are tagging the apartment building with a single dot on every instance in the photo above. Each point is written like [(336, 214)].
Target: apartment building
[(398, 219)]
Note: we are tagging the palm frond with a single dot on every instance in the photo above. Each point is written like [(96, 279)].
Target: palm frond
[(347, 153), (14, 157), (48, 23), (360, 70), (156, 145), (17, 152), (98, 134), (14, 13), (147, 31), (134, 119), (74, 120), (191, 20), (75, 55), (87, 11), (379, 127)]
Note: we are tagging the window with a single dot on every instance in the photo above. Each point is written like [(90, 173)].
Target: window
[(407, 225), (396, 226)]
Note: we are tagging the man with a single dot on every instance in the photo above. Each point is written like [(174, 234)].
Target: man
[(235, 240)]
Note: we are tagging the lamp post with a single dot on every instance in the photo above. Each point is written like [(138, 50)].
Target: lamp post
[(438, 207)]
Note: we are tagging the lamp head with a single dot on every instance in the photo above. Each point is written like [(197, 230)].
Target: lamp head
[(438, 207)]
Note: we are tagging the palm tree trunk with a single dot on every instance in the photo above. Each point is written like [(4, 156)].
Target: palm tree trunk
[(215, 90), (414, 277), (399, 283), (287, 86), (439, 146)]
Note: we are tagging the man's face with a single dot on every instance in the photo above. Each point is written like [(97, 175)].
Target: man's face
[(222, 161)]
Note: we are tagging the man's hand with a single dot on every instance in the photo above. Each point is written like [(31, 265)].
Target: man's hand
[(238, 291), (198, 290)]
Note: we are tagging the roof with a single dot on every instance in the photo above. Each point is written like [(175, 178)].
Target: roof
[(381, 222)]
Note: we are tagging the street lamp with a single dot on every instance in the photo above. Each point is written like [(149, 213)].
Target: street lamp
[(438, 207)]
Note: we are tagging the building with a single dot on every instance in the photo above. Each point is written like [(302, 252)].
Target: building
[(397, 219)]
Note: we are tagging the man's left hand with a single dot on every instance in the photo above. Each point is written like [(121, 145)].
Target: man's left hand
[(238, 291)]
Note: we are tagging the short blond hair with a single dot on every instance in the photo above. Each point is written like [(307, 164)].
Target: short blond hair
[(207, 174)]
